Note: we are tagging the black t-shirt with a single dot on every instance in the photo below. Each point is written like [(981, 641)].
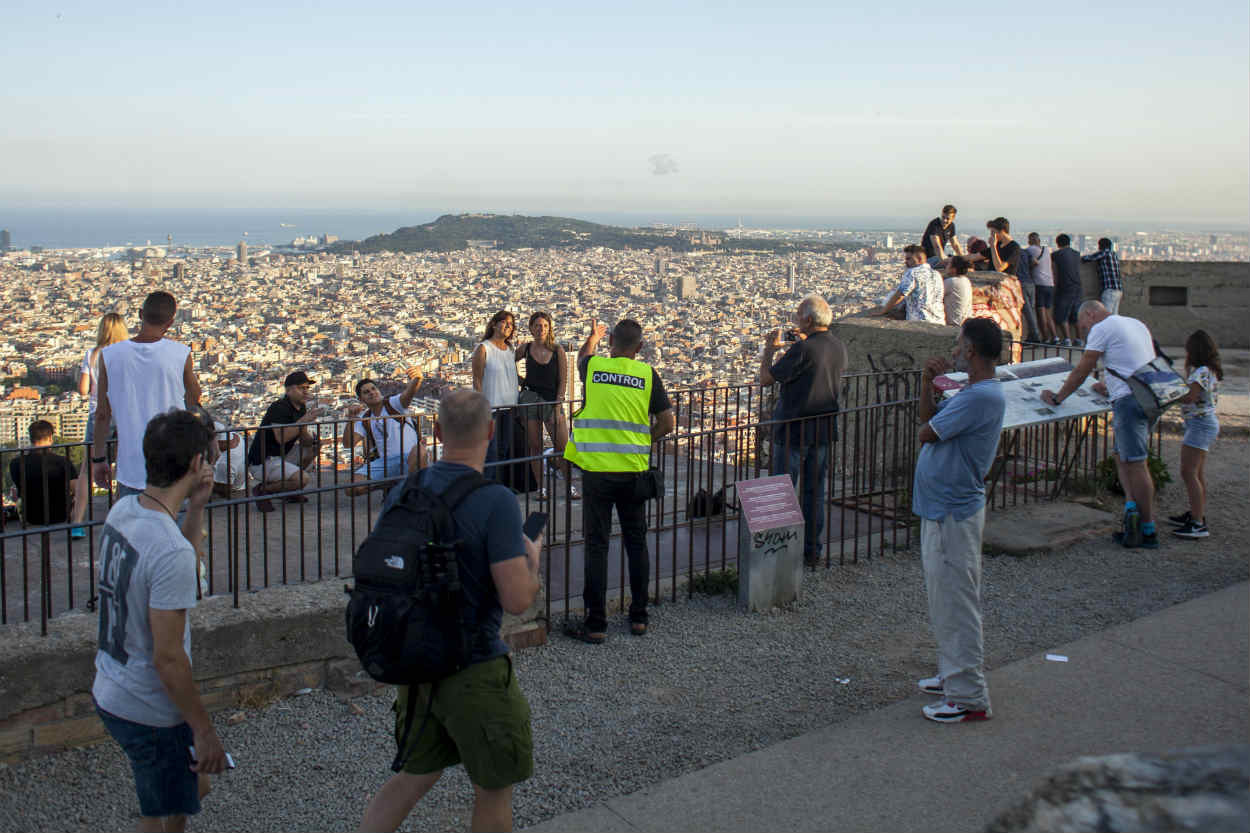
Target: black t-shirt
[(1066, 265), (935, 228), (266, 444), (43, 480), (659, 397), (1010, 254), (810, 374)]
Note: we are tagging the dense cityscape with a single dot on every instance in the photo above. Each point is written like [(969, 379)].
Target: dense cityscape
[(253, 314)]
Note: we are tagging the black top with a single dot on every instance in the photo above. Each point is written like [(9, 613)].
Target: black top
[(266, 444), (935, 227), (810, 374), (659, 397), (1066, 266), (1011, 255), (39, 475), (542, 378)]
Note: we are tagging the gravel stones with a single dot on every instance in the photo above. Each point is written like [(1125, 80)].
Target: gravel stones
[(707, 683)]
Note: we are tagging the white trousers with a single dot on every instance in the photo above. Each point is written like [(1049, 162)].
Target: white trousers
[(951, 553)]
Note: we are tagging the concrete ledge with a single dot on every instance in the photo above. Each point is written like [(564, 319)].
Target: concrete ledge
[(278, 641), (1043, 527)]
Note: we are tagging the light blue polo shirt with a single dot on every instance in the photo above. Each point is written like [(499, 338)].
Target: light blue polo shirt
[(950, 473)]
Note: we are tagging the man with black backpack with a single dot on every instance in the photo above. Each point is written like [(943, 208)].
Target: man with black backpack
[(446, 558)]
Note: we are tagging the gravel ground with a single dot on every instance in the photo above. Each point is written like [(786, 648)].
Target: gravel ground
[(707, 684)]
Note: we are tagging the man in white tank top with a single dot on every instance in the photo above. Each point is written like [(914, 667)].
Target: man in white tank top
[(138, 379)]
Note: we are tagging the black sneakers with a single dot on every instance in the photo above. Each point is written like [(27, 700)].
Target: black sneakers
[(1181, 519), (1192, 529)]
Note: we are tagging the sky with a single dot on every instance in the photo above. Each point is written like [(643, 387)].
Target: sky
[(1119, 111)]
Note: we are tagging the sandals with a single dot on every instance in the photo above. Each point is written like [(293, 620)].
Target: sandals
[(580, 633)]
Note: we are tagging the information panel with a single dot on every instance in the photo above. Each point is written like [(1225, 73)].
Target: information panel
[(1023, 385)]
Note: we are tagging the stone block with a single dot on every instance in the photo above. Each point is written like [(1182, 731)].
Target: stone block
[(77, 705), (31, 717), (218, 699), (302, 675), (73, 731), (15, 742), (243, 678), (531, 635)]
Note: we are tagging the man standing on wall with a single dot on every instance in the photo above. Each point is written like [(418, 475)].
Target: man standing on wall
[(959, 440), (1108, 273), (140, 378)]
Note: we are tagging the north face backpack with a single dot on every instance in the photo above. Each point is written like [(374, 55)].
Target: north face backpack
[(404, 615)]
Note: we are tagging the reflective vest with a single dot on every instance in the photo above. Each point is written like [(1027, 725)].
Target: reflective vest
[(612, 431)]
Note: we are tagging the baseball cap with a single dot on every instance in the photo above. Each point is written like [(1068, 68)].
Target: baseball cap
[(299, 377)]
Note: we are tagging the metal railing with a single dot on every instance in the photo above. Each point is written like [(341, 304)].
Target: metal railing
[(724, 434)]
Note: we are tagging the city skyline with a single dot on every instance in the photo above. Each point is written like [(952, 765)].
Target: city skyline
[(795, 112)]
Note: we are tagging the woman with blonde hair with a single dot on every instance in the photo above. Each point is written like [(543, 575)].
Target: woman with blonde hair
[(112, 329)]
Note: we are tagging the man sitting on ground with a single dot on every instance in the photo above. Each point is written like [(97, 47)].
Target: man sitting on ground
[(392, 445), (478, 717), (284, 449), (43, 479)]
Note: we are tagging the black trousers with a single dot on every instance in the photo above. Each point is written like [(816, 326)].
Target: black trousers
[(600, 492)]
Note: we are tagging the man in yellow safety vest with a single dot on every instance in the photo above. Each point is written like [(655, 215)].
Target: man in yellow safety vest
[(611, 442)]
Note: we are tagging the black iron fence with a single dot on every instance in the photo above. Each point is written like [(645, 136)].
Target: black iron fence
[(320, 500)]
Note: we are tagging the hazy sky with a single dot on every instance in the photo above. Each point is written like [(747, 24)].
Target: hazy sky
[(1128, 111)]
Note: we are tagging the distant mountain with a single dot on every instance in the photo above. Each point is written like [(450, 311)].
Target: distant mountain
[(452, 232)]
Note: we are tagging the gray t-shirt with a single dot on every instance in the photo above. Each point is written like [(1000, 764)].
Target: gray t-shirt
[(145, 562), (950, 473)]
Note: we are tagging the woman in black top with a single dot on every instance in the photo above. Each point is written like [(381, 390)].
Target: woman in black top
[(543, 383)]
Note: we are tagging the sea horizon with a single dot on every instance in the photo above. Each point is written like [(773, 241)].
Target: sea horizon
[(78, 228)]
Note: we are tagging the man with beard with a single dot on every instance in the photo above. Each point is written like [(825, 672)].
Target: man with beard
[(959, 439)]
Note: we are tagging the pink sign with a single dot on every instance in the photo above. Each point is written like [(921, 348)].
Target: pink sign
[(769, 502)]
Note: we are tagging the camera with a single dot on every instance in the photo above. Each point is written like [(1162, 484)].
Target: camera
[(792, 335)]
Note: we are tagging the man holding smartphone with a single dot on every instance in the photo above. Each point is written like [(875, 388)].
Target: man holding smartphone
[(284, 449), (478, 716), (143, 689)]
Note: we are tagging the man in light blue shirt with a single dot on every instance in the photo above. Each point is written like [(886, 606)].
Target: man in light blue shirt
[(959, 440)]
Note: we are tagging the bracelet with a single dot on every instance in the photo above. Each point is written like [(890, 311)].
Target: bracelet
[(99, 459)]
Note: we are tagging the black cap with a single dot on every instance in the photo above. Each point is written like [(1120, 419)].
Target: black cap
[(299, 377)]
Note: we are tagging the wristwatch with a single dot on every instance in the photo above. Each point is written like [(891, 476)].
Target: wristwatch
[(99, 459)]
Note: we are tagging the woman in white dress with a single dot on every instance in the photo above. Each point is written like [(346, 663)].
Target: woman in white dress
[(111, 330), (495, 376)]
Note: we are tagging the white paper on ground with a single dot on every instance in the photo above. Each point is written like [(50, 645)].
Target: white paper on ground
[(1056, 658)]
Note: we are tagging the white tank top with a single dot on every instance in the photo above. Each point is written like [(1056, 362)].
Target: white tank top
[(145, 379), (499, 379)]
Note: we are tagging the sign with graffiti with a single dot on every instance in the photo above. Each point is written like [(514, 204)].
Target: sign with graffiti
[(770, 543)]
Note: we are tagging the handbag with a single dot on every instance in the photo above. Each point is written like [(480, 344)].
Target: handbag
[(1155, 386), (650, 484)]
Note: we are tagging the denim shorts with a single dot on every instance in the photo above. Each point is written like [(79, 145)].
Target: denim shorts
[(1201, 431), (160, 758), (1132, 431), (392, 465)]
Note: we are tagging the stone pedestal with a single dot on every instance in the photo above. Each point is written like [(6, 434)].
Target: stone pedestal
[(770, 543)]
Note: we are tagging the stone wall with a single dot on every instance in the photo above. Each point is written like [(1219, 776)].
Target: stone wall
[(1175, 298), (277, 642)]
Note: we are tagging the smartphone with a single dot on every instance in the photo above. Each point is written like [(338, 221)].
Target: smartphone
[(534, 525), (229, 760)]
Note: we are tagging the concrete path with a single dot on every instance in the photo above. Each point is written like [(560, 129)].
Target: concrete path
[(1177, 678)]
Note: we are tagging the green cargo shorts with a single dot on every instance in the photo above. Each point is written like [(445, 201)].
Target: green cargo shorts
[(479, 718)]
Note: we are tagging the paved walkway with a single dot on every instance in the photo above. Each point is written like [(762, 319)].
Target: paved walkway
[(1177, 678)]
